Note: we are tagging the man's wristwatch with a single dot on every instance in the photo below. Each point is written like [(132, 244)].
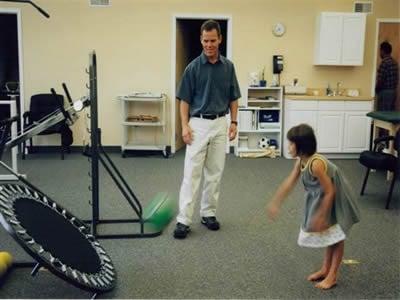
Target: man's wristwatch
[(234, 122)]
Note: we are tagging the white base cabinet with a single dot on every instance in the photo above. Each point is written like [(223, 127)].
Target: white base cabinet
[(356, 139), (342, 128), (330, 131)]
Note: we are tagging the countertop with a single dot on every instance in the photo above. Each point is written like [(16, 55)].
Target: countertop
[(328, 98)]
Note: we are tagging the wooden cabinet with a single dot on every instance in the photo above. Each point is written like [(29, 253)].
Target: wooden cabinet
[(339, 39), (342, 128)]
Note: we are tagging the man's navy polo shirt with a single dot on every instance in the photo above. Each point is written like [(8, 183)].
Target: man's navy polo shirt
[(209, 88)]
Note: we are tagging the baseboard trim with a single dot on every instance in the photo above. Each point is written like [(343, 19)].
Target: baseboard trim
[(74, 149)]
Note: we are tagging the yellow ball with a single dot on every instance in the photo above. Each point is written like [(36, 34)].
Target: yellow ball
[(6, 258), (3, 267)]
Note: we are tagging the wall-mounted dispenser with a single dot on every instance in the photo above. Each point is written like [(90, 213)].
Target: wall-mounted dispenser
[(277, 64)]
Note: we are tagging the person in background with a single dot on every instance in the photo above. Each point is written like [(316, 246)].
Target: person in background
[(207, 92), (387, 79), (330, 203)]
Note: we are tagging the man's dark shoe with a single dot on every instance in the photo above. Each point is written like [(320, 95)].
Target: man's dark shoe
[(181, 231), (210, 222)]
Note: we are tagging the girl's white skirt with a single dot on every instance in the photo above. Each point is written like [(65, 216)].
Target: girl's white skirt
[(328, 237)]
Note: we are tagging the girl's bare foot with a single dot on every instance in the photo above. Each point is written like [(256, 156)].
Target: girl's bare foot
[(327, 283), (321, 274)]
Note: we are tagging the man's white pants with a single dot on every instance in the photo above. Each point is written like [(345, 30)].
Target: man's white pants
[(204, 157)]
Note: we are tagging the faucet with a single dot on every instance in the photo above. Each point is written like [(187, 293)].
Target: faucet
[(329, 91), (338, 91)]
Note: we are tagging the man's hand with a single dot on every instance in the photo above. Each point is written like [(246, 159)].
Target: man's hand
[(232, 131), (187, 134)]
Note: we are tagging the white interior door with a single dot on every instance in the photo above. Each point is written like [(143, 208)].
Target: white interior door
[(179, 60)]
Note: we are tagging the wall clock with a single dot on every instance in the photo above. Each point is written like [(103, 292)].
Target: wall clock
[(278, 29)]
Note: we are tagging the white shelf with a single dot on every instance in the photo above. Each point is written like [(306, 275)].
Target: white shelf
[(260, 130), (262, 101), (155, 124), (251, 150), (264, 88), (142, 99), (143, 135), (255, 150), (143, 147), (259, 110)]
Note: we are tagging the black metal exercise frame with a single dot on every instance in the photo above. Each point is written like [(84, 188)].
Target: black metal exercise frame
[(96, 153)]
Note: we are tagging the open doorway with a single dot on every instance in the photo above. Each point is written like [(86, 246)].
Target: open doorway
[(11, 85), (186, 47), (388, 30)]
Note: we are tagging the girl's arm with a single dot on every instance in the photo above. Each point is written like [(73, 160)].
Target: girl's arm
[(283, 191), (318, 169)]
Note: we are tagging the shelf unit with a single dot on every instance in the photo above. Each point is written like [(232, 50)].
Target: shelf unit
[(140, 132), (260, 117)]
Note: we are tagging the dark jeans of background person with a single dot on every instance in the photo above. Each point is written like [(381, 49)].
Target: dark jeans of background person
[(386, 100)]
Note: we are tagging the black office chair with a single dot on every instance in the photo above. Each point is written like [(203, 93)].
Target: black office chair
[(42, 105), (378, 160)]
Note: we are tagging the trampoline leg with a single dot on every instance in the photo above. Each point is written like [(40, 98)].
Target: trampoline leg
[(35, 270), (94, 296)]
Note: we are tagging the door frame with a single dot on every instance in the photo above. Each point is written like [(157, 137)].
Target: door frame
[(228, 37), (378, 22), (17, 12)]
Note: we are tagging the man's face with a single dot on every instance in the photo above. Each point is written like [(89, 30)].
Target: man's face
[(210, 41)]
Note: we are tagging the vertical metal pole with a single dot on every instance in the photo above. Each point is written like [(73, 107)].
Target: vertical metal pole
[(94, 142)]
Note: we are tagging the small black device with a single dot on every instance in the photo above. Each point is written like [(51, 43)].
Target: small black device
[(277, 63)]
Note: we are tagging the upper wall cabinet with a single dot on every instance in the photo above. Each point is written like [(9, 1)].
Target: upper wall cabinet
[(340, 39)]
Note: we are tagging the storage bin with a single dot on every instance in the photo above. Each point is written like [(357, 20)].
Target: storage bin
[(268, 116)]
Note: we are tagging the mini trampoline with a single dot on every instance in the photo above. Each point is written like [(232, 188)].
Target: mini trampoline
[(56, 239)]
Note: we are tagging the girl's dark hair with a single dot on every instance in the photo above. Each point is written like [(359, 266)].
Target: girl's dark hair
[(304, 138), (210, 25)]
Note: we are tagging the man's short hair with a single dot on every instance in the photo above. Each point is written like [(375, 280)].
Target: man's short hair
[(210, 25), (386, 47)]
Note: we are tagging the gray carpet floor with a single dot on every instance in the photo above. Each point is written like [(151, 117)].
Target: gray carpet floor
[(248, 258)]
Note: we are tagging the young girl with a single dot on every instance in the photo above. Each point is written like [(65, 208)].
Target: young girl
[(330, 208)]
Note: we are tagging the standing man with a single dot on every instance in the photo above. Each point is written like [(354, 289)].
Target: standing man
[(387, 79), (208, 91)]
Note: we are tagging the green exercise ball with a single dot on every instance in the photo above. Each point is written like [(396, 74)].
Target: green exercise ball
[(160, 211)]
